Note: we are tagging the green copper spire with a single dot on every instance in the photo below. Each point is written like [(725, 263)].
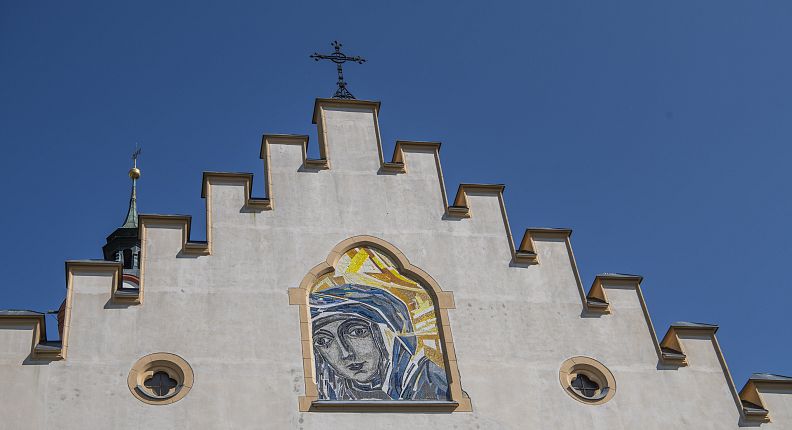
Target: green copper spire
[(132, 214)]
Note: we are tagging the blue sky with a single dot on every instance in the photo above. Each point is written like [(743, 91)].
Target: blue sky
[(658, 131)]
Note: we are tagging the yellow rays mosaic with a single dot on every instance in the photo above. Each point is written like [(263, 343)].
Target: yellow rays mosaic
[(375, 333), (367, 266)]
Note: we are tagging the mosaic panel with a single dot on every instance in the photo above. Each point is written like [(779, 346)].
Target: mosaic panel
[(375, 333)]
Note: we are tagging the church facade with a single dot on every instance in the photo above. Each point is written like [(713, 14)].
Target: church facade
[(355, 294)]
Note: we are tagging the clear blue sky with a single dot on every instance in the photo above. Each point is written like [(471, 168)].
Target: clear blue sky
[(659, 131)]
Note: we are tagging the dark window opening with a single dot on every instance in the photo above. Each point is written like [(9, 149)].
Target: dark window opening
[(127, 259), (584, 386), (160, 383)]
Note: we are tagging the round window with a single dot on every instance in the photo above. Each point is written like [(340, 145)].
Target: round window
[(587, 380), (160, 378)]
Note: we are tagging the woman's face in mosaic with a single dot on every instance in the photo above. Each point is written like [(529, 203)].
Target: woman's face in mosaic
[(349, 345)]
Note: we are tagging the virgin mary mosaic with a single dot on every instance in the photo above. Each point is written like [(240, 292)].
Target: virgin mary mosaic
[(375, 333)]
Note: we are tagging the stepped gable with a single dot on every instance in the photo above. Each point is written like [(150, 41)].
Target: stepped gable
[(480, 208)]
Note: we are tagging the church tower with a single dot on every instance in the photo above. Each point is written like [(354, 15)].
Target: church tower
[(123, 244)]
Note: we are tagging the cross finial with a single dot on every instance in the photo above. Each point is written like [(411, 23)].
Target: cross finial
[(134, 173), (136, 154), (131, 220), (339, 58)]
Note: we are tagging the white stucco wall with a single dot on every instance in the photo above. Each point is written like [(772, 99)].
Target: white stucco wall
[(228, 315)]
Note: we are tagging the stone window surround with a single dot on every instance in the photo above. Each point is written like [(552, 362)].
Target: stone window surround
[(444, 300), (173, 365), (595, 371)]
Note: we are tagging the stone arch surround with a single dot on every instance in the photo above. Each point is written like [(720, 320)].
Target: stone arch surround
[(444, 300)]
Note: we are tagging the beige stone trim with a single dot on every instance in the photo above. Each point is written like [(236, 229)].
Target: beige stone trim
[(750, 393), (40, 351), (670, 350), (597, 292), (39, 329), (190, 246), (727, 374), (185, 222), (756, 410), (176, 367), (401, 145), (230, 178), (319, 118), (597, 299), (566, 234), (671, 342), (292, 139), (321, 102), (67, 312), (444, 300), (526, 253), (396, 165), (73, 267), (523, 254), (142, 256), (593, 369), (461, 209), (600, 303)]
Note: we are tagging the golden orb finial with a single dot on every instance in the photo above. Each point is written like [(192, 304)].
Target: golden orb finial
[(134, 172)]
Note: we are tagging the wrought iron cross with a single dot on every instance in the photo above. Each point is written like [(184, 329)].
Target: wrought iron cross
[(339, 58), (136, 154)]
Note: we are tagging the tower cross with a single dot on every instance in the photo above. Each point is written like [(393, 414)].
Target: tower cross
[(135, 155), (339, 58), (134, 174)]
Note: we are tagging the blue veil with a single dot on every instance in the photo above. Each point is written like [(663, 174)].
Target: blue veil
[(383, 309)]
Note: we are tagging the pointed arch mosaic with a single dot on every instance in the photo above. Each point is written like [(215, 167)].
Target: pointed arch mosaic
[(374, 332)]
